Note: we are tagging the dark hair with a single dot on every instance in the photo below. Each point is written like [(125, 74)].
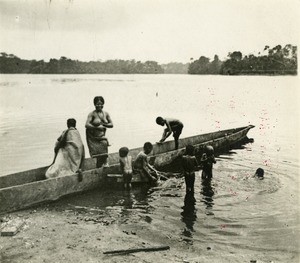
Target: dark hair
[(148, 145), (97, 99), (123, 151), (260, 172), (189, 149), (71, 123), (159, 120), (209, 150)]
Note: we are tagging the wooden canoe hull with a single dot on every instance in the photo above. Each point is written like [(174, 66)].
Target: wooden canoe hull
[(24, 189)]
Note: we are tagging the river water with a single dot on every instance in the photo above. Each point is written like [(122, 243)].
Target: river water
[(235, 213)]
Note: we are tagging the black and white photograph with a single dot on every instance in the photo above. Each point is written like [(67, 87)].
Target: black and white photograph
[(149, 131)]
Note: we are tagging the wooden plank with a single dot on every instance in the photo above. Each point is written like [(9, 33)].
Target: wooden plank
[(12, 227), (114, 175)]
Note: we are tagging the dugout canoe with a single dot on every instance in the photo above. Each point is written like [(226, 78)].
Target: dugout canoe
[(24, 189)]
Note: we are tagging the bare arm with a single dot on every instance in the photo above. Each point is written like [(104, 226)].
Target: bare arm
[(121, 166), (89, 124), (62, 135), (213, 159), (59, 138), (145, 165), (167, 132), (151, 167), (203, 157)]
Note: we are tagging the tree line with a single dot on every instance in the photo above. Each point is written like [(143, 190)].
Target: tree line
[(274, 61), (10, 63)]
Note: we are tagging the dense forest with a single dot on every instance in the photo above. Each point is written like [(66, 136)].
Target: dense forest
[(273, 61), (10, 63)]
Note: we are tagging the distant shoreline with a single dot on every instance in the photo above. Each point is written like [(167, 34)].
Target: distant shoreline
[(238, 74), (235, 74), (274, 61)]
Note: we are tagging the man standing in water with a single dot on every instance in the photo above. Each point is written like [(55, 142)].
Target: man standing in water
[(173, 126)]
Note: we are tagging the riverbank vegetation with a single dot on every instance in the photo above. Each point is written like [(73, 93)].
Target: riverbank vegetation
[(10, 63), (271, 61)]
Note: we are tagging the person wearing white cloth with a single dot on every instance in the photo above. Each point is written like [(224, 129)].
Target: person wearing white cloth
[(69, 153)]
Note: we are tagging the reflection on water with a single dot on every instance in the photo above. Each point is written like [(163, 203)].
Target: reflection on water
[(128, 200), (189, 216), (207, 195), (101, 205)]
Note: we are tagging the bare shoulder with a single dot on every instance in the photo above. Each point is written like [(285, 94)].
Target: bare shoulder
[(91, 113), (106, 113)]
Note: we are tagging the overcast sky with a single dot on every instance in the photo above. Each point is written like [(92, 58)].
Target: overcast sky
[(160, 30)]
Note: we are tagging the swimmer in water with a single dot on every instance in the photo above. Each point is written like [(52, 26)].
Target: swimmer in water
[(259, 173)]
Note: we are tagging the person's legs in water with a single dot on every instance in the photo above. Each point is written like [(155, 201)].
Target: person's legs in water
[(127, 181), (189, 181), (206, 174), (192, 182), (186, 179), (124, 181)]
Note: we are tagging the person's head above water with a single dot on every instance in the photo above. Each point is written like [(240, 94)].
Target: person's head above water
[(189, 149), (209, 150), (123, 151), (71, 123), (260, 173), (148, 147), (160, 121)]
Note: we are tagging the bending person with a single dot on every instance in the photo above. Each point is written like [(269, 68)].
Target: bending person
[(69, 153), (142, 166), (172, 126), (96, 124)]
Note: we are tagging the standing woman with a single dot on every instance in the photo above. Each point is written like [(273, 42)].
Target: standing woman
[(96, 124)]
